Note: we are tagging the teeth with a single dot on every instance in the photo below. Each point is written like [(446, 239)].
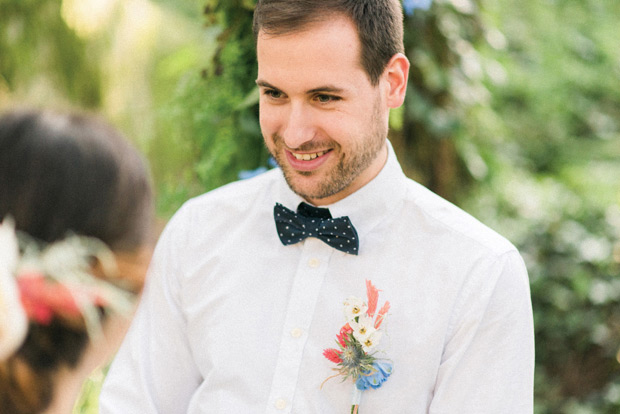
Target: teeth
[(308, 157)]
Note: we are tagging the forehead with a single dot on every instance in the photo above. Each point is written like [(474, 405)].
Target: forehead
[(323, 52)]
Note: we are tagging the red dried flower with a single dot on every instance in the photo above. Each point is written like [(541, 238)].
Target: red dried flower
[(333, 355), (42, 299)]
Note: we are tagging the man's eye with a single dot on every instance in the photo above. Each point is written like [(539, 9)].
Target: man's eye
[(326, 98), (272, 93)]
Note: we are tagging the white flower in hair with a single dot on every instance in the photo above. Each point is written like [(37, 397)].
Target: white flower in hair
[(13, 320)]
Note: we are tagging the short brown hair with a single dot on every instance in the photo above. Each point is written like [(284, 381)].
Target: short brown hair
[(379, 24)]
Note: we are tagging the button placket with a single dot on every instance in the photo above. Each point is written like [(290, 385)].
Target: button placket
[(304, 294), (281, 404), (314, 262)]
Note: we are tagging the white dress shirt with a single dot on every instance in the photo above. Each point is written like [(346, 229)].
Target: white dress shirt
[(232, 321)]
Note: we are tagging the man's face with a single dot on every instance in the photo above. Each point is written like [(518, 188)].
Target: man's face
[(321, 118)]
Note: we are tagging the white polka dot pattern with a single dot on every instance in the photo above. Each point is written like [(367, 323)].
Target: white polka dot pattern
[(317, 222)]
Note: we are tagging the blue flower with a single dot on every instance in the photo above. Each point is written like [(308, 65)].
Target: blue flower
[(272, 162), (373, 379), (411, 5), (245, 174)]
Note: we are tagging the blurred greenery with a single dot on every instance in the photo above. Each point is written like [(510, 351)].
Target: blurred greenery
[(512, 112)]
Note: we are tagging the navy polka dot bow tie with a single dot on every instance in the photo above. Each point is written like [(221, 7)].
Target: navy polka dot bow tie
[(316, 222)]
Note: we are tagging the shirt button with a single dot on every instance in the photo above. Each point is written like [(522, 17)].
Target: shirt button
[(296, 333), (314, 263), (280, 404)]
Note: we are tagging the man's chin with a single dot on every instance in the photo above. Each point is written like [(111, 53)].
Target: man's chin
[(312, 185), (306, 190)]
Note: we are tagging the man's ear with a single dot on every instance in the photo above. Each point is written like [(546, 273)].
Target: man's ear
[(395, 77)]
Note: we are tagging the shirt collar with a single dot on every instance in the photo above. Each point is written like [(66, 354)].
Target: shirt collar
[(368, 206)]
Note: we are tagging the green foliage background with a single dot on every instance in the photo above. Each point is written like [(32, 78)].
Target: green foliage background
[(512, 112)]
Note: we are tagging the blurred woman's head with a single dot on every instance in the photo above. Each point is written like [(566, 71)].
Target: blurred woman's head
[(70, 172), (64, 175)]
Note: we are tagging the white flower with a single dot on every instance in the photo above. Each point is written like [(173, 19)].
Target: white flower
[(363, 327), (370, 341), (13, 320), (9, 248), (354, 307), (365, 332)]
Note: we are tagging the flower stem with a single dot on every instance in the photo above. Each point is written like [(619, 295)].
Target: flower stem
[(356, 399)]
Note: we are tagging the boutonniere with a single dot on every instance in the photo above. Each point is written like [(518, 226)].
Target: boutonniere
[(357, 343)]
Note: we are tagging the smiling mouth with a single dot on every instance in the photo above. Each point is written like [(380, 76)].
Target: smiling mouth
[(308, 157)]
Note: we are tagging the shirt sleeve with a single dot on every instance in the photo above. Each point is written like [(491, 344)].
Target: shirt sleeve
[(488, 361), (154, 370)]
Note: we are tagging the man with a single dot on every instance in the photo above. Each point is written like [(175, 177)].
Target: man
[(237, 313)]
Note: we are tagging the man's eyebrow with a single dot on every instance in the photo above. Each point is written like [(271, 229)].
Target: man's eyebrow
[(265, 84), (326, 88)]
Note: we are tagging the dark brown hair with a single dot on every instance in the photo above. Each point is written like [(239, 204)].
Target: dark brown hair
[(379, 24), (62, 173)]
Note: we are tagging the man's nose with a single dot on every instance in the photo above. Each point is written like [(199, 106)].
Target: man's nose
[(298, 128)]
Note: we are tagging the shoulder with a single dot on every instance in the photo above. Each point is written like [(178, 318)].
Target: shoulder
[(447, 220), (465, 253), (223, 208), (231, 199)]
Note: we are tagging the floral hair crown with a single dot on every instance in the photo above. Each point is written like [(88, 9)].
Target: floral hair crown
[(40, 282)]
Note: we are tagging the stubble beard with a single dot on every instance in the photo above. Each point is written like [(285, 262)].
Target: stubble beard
[(349, 166)]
